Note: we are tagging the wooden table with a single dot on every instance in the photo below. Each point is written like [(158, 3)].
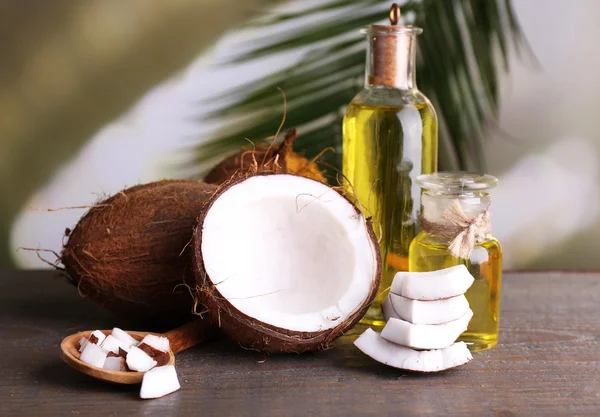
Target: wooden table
[(547, 363)]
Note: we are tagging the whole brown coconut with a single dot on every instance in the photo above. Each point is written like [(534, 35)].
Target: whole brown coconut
[(265, 157), (130, 252), (284, 263)]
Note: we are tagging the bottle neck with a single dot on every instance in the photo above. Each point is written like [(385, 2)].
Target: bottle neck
[(391, 59)]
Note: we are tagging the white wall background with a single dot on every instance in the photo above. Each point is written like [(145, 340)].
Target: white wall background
[(545, 210), (547, 205)]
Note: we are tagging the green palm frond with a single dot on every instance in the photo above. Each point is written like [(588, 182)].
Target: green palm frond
[(463, 48)]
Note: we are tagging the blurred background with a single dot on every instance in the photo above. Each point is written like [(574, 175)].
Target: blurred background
[(97, 95)]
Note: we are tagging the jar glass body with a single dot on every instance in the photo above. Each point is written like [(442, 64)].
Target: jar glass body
[(430, 252), (390, 136)]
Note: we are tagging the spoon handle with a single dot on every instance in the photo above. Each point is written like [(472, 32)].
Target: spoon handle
[(190, 334)]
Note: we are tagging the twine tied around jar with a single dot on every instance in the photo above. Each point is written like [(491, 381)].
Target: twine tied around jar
[(464, 232)]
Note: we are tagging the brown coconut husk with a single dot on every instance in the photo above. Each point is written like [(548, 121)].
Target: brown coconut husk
[(260, 336), (130, 253), (265, 157)]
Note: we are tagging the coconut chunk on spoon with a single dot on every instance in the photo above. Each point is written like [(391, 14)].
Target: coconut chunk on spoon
[(433, 285), (115, 363), (425, 336), (154, 345), (424, 312), (372, 344), (82, 342), (286, 263), (138, 360), (94, 355), (124, 337), (113, 344), (97, 337)]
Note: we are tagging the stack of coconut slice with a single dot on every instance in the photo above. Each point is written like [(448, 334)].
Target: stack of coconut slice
[(425, 313)]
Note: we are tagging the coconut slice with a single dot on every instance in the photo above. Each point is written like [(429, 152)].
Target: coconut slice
[(115, 363), (94, 355), (138, 360), (425, 336), (372, 344), (159, 382), (82, 342), (154, 345), (124, 337), (424, 312), (113, 344), (286, 263), (433, 285), (97, 337)]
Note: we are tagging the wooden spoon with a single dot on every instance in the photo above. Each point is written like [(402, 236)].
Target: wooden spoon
[(180, 339)]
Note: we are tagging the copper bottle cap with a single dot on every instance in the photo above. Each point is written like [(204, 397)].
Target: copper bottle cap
[(391, 48)]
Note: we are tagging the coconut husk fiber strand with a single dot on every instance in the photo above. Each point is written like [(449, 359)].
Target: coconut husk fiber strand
[(265, 157)]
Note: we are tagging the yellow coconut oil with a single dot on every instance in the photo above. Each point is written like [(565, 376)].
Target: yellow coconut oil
[(390, 132), (385, 147), (431, 251), (428, 253)]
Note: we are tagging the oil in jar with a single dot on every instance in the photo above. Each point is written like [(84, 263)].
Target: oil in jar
[(429, 253)]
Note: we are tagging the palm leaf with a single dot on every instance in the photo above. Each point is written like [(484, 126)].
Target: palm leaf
[(463, 48)]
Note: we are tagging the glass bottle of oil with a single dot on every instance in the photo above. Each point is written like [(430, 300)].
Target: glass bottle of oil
[(390, 136), (430, 250)]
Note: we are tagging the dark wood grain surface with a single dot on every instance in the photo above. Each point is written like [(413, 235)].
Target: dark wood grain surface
[(547, 363)]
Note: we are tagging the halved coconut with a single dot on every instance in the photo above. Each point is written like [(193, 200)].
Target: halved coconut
[(287, 264)]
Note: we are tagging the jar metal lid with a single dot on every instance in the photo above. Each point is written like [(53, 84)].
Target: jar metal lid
[(456, 181)]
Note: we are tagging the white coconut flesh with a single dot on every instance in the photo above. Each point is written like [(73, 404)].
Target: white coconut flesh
[(289, 251), (93, 354), (124, 337), (99, 335), (433, 285), (424, 312), (159, 382), (112, 344), (138, 360), (425, 336), (372, 344), (82, 342), (157, 342), (114, 363)]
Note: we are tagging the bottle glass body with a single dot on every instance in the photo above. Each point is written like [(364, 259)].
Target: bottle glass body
[(430, 252), (390, 137)]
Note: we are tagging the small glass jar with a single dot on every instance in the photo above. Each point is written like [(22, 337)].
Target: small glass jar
[(456, 229)]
